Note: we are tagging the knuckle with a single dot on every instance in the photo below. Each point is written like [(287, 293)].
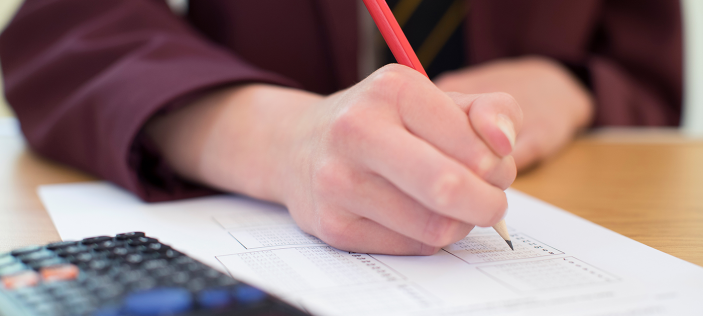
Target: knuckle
[(486, 164), (446, 190), (389, 80), (332, 229), (329, 178), (436, 229), (441, 231), (389, 74), (348, 123)]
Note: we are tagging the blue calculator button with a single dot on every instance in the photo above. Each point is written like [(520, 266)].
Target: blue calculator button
[(160, 301), (214, 298), (248, 295)]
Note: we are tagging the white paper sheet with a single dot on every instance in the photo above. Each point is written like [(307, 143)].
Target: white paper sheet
[(562, 264)]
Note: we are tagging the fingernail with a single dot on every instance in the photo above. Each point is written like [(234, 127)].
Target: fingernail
[(506, 126)]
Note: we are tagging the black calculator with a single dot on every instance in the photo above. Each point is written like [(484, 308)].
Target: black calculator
[(126, 275)]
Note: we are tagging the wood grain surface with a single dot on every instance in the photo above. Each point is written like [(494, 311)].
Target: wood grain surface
[(651, 192), (23, 219), (648, 187)]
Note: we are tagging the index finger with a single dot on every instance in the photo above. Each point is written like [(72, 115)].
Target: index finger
[(440, 183)]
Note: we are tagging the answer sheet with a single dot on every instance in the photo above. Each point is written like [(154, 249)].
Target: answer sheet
[(562, 264)]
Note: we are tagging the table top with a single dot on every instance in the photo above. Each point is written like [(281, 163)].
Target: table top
[(646, 185)]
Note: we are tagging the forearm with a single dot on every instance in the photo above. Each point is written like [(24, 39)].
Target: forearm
[(254, 124)]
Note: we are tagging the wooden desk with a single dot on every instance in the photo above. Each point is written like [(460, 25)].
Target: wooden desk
[(650, 191)]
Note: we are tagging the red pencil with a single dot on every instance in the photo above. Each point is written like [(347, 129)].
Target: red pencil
[(404, 54), (393, 34)]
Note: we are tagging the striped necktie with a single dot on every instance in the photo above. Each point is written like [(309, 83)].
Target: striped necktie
[(435, 29)]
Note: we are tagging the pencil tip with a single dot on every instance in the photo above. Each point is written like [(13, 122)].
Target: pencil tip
[(510, 243)]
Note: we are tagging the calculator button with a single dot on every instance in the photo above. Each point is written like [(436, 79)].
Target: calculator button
[(84, 257), (36, 265), (180, 278), (72, 250), (119, 252), (107, 245), (99, 266), (61, 244), (59, 273), (212, 274), (162, 301), (12, 268), (130, 276), (22, 279), (226, 281), (171, 254), (131, 235), (26, 250), (196, 285), (142, 284), (134, 258), (95, 240), (118, 270), (141, 241), (47, 308), (68, 292), (247, 294), (29, 292), (157, 247), (216, 298), (37, 255), (97, 282), (154, 264), (183, 260), (109, 292), (162, 273), (7, 259), (193, 267)]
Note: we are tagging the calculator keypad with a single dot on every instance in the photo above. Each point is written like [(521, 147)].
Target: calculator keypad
[(129, 274)]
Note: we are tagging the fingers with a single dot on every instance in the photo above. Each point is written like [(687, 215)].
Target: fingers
[(378, 200), (436, 181), (434, 117), (364, 235), (496, 117), (344, 230)]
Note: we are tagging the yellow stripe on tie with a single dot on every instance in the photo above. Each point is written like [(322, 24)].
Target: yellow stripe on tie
[(404, 10), (441, 33)]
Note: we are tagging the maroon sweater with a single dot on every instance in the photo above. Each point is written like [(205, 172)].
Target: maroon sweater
[(84, 76)]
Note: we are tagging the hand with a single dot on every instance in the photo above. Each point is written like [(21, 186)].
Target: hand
[(555, 105), (392, 165)]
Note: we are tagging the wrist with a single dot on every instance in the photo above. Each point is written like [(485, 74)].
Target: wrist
[(238, 139)]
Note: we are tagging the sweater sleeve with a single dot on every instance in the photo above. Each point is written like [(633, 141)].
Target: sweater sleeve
[(84, 76), (628, 52), (636, 63)]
